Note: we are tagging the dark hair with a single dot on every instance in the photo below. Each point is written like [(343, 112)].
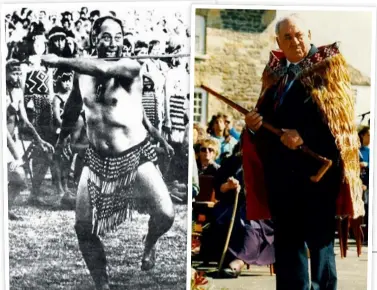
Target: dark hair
[(212, 122), (152, 44), (61, 74), (12, 65), (362, 132), (65, 20), (23, 10), (94, 13), (36, 30), (66, 50), (27, 20), (139, 45), (96, 28), (127, 42)]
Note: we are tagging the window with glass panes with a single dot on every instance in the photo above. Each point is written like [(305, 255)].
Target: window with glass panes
[(200, 30), (200, 105)]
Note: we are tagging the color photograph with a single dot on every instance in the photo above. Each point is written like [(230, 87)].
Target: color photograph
[(282, 109)]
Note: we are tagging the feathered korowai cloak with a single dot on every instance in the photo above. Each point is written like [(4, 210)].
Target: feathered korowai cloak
[(324, 74)]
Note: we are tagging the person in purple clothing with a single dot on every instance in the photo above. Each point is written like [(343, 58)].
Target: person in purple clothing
[(251, 242)]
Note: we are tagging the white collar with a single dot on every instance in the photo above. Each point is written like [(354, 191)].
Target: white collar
[(294, 63)]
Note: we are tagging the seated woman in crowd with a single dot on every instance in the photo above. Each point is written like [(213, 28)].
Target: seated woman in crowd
[(199, 133), (217, 130), (251, 242), (209, 150)]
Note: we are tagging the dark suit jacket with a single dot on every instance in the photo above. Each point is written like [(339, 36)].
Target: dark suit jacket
[(287, 171)]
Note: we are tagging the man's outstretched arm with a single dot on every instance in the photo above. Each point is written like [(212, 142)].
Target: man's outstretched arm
[(123, 68)]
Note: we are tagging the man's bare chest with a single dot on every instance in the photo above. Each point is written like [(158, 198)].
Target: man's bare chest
[(106, 101), (100, 92)]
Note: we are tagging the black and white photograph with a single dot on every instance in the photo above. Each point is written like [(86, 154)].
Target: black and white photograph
[(97, 147)]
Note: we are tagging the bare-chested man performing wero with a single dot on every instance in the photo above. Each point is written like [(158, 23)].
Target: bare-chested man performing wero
[(119, 168)]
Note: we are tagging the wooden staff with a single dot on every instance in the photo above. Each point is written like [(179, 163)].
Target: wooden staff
[(326, 163), (229, 230)]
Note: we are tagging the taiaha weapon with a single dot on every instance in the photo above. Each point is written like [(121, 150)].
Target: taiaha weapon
[(157, 56), (27, 61), (326, 163)]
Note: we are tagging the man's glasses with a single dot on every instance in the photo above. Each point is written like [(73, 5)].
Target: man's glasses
[(204, 149)]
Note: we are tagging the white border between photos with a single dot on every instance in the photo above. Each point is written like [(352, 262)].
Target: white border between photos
[(191, 143), (309, 7), (371, 241)]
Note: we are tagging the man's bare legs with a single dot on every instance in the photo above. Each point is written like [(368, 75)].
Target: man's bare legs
[(90, 244), (150, 185)]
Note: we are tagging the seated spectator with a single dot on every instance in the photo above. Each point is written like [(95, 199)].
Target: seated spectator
[(251, 242), (217, 130), (195, 179), (208, 153), (199, 133)]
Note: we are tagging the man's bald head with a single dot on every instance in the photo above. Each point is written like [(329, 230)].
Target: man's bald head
[(291, 18), (293, 37)]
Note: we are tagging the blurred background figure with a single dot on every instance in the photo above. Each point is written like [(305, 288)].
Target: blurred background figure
[(364, 135), (217, 129)]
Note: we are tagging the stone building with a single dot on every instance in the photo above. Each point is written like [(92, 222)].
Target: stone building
[(231, 50)]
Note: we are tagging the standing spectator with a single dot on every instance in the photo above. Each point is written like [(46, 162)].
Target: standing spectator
[(177, 88), (38, 95)]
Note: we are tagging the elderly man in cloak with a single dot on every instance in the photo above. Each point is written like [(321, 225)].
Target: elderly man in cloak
[(306, 91)]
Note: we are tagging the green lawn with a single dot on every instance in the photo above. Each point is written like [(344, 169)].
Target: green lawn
[(44, 254)]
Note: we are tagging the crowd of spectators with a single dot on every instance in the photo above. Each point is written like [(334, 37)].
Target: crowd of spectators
[(143, 26)]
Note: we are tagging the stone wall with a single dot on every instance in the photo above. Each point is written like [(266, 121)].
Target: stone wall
[(238, 43)]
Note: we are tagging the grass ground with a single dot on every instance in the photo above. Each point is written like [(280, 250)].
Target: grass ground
[(44, 253)]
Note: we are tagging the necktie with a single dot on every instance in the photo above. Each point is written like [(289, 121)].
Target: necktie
[(285, 85)]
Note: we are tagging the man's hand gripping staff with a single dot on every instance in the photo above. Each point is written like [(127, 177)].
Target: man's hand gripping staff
[(288, 137)]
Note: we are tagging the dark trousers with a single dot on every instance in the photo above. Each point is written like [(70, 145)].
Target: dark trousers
[(304, 218), (292, 270)]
